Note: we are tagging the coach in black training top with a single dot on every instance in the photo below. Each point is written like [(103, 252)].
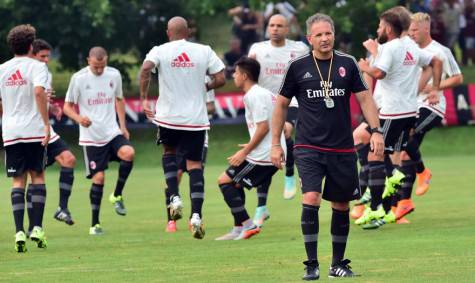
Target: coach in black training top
[(322, 82)]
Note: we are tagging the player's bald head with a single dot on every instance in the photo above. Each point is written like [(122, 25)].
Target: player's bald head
[(98, 53), (177, 27), (278, 18)]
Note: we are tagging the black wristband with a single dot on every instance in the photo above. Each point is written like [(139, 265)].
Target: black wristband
[(376, 130)]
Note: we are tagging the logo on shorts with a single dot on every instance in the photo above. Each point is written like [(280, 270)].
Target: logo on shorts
[(247, 181), (92, 165), (307, 76), (182, 61), (356, 192), (342, 72), (16, 79), (11, 170), (231, 171)]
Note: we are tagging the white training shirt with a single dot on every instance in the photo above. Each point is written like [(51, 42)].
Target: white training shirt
[(95, 96), (259, 104), (53, 135), (400, 59), (450, 68), (274, 62), (182, 67), (21, 120)]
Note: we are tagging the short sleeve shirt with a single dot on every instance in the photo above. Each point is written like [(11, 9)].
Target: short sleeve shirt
[(96, 97), (321, 128)]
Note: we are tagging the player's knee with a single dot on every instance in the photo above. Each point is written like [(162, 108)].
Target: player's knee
[(311, 198), (98, 178), (361, 135), (341, 206), (224, 179), (404, 156), (68, 159), (127, 153)]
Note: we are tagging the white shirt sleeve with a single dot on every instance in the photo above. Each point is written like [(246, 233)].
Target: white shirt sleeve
[(118, 91), (153, 56), (215, 65), (72, 95), (259, 108), (40, 75), (252, 51), (384, 59), (425, 57), (451, 66)]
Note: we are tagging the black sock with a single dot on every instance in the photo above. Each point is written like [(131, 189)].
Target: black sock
[(263, 191), (233, 199), (197, 190), (289, 161), (363, 150), (18, 206), (95, 196), (310, 227), (170, 169), (412, 149), (66, 179), (340, 229), (124, 170), (387, 202), (29, 208), (167, 203), (204, 156), (388, 165), (38, 200), (409, 171), (376, 182)]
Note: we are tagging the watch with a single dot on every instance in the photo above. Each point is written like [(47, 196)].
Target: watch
[(377, 130)]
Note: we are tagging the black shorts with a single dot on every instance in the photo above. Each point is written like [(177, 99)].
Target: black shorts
[(396, 133), (97, 158), (55, 149), (426, 121), (190, 142), (339, 170), (292, 114), (23, 157), (250, 175)]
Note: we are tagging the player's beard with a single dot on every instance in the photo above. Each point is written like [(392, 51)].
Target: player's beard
[(383, 38)]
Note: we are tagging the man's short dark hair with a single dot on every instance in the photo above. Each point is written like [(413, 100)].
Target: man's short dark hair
[(250, 67), (404, 16), (40, 44), (394, 20), (20, 38)]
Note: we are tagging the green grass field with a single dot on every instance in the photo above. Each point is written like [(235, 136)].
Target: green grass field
[(438, 245)]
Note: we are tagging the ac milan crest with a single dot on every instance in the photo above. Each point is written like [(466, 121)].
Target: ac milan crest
[(92, 165), (342, 72), (111, 84)]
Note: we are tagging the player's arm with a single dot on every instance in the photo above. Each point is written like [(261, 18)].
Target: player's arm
[(145, 78), (278, 119), (120, 108), (433, 96), (210, 108), (262, 128), (374, 72), (42, 104), (370, 112), (216, 80), (71, 112)]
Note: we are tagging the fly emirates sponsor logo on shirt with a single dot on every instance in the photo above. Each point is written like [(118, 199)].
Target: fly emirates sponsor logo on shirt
[(277, 69), (311, 93), (101, 98)]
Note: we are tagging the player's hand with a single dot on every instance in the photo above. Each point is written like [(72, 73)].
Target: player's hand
[(427, 89), (363, 64), (56, 110), (433, 97), (277, 156), (45, 140), (371, 45), (85, 122), (242, 145), (376, 143), (125, 132), (237, 158), (147, 110), (50, 94)]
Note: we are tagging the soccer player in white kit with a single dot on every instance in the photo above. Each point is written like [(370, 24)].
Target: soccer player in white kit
[(250, 165), (97, 90), (58, 150), (273, 56), (25, 130), (429, 116), (396, 67), (181, 114)]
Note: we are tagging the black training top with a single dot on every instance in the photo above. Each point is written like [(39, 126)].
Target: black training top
[(321, 128)]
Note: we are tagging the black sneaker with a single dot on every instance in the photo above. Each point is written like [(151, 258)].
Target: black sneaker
[(342, 269), (63, 215), (312, 272)]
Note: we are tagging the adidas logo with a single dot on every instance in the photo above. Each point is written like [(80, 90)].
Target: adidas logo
[(231, 171), (88, 87), (11, 170), (182, 61), (409, 60), (267, 55), (356, 192), (307, 76), (16, 80), (247, 181)]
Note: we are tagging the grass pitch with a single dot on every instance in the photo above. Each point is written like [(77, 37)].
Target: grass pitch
[(438, 245)]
